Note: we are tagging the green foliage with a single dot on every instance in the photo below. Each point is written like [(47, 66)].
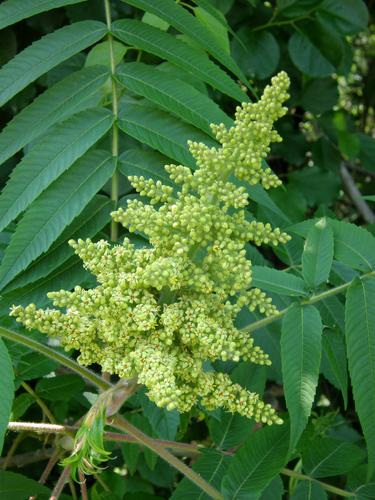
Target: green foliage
[(301, 339), (256, 463), (360, 331), (7, 389), (95, 93)]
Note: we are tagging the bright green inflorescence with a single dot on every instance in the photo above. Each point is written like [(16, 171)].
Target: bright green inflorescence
[(160, 313)]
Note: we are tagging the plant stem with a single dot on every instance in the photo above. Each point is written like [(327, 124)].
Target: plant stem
[(311, 300), (186, 449), (39, 402), (326, 486), (82, 482), (279, 23), (123, 424), (63, 479), (115, 149), (12, 450), (56, 356), (27, 458), (182, 449)]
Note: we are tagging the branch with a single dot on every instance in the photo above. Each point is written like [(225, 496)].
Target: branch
[(256, 325), (355, 195), (326, 486), (183, 449), (186, 449), (89, 375), (28, 458)]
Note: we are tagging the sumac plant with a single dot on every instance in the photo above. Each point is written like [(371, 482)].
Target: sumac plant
[(219, 333)]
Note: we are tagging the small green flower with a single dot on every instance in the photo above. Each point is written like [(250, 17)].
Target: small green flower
[(159, 313)]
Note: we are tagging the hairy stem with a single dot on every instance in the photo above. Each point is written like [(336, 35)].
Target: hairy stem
[(182, 449), (256, 325), (115, 149)]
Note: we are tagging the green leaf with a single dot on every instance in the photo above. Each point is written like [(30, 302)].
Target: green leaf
[(326, 457), (20, 405), (349, 144), (54, 210), (317, 254), (367, 152), (172, 94), (170, 48), (272, 280), (307, 490), (319, 95), (233, 429), (74, 93), (162, 132), (215, 25), (100, 54), (360, 342), (211, 466), (347, 17), (259, 54), (354, 245), (51, 156), (179, 18), (256, 463), (307, 57), (88, 223), (274, 490), (12, 11), (34, 365), (150, 164), (301, 345), (62, 387), (46, 53), (18, 487), (334, 361), (163, 422), (155, 21), (6, 390)]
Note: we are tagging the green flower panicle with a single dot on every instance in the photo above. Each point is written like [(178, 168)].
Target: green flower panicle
[(160, 313)]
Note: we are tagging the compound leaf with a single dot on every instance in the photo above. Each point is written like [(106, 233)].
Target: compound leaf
[(179, 18), (162, 132), (45, 54), (53, 154), (170, 48), (171, 94), (54, 210), (69, 96)]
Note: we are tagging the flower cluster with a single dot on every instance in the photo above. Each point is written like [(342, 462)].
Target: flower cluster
[(162, 314)]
